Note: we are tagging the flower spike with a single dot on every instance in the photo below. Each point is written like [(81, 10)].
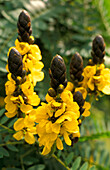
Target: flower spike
[(24, 27), (98, 50), (76, 68), (57, 72), (15, 63)]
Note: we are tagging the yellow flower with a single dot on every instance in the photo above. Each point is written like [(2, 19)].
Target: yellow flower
[(22, 47), (25, 128), (28, 90), (97, 78), (10, 107), (69, 86), (10, 87), (86, 112), (57, 119)]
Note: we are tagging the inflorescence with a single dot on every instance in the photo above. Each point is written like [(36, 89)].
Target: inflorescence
[(57, 120)]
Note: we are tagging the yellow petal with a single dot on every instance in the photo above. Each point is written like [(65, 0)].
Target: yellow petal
[(69, 86), (18, 135), (46, 150), (22, 47), (86, 113), (10, 87), (10, 115), (34, 99), (48, 98), (87, 105), (29, 138), (62, 118), (26, 108), (90, 84), (56, 128), (56, 104), (67, 139), (28, 121), (19, 124), (60, 111), (106, 89), (37, 76), (11, 107), (49, 127), (76, 135), (59, 144)]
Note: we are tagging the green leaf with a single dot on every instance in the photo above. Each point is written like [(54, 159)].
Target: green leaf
[(69, 158), (92, 168), (76, 163), (12, 148), (10, 124), (37, 167), (84, 166), (4, 120), (3, 151), (95, 136), (2, 111)]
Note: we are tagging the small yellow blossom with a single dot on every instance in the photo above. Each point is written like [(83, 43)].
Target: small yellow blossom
[(25, 128)]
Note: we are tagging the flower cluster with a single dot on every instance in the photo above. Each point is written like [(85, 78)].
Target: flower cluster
[(59, 118), (24, 67), (96, 76)]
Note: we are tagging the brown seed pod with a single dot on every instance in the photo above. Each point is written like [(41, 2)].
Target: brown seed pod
[(76, 67), (15, 63), (24, 27), (98, 50), (57, 72)]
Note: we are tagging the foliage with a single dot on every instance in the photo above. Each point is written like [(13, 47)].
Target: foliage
[(61, 27)]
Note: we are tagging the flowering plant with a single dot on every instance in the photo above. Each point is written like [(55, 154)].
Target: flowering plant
[(56, 121)]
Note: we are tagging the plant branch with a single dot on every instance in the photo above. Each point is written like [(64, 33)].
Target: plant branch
[(59, 160), (10, 130)]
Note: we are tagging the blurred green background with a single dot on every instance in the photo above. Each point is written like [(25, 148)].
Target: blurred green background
[(59, 27)]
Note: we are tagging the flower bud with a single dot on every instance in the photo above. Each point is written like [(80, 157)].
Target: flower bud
[(78, 98), (76, 67), (98, 50), (57, 72), (60, 88), (24, 27), (52, 92), (15, 63)]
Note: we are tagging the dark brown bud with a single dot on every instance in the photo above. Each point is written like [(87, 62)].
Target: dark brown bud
[(52, 92), (77, 96), (60, 88), (98, 50), (76, 67), (57, 72), (15, 63), (24, 27)]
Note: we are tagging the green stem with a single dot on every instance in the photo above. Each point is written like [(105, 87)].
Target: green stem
[(10, 130), (59, 160), (11, 143)]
